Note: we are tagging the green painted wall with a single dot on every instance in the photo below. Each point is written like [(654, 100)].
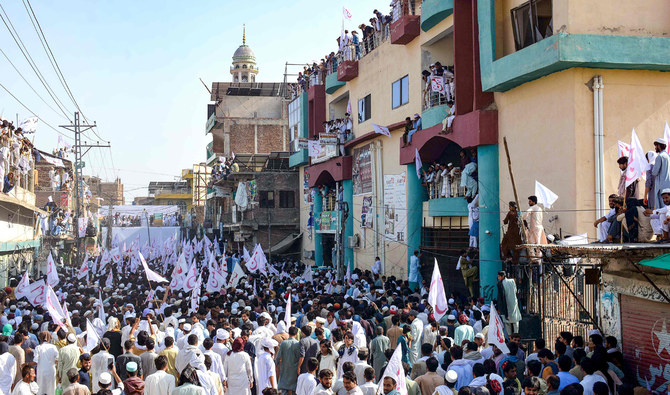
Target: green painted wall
[(416, 195), (489, 220), (318, 247), (434, 11)]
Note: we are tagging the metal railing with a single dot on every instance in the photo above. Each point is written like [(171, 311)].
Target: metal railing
[(18, 163), (556, 292), (433, 98), (445, 187)]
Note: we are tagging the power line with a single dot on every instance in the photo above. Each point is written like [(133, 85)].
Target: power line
[(26, 81), (50, 55), (31, 62)]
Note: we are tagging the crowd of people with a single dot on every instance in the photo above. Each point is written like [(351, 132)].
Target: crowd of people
[(639, 210), (285, 329), (352, 45), (223, 167), (17, 156)]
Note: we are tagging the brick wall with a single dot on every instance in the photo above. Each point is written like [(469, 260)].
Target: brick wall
[(241, 138), (270, 138)]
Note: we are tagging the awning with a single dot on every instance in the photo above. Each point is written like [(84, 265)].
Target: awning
[(285, 244), (660, 262)]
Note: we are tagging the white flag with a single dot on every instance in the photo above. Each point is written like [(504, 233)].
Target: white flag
[(29, 125), (195, 296), (116, 255), (287, 313), (381, 130), (21, 289), (101, 312), (307, 275), (91, 337), (151, 275), (349, 107), (191, 279), (178, 274), (84, 269), (637, 161), (216, 280), (394, 370), (346, 14), (314, 148), (52, 273), (36, 293), (666, 136), (109, 283), (623, 149), (436, 296), (417, 163), (245, 254), (52, 305), (496, 331), (544, 195), (236, 276)]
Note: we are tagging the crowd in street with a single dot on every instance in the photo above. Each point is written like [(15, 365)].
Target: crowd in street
[(226, 324)]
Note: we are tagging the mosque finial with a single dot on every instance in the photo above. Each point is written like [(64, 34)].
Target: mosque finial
[(244, 35)]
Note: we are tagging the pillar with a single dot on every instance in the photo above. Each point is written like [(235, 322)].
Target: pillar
[(348, 193), (416, 195), (318, 247), (489, 220)]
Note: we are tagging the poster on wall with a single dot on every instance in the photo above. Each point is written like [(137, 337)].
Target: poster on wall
[(395, 206), (362, 170), (367, 212)]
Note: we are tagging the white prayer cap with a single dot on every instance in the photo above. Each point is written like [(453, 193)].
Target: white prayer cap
[(187, 327), (664, 191), (181, 320), (451, 376), (247, 308), (71, 338), (269, 343), (222, 334), (105, 378), (51, 199), (551, 238), (451, 317), (233, 311), (320, 320), (451, 301), (450, 164), (661, 140), (34, 326), (479, 336)]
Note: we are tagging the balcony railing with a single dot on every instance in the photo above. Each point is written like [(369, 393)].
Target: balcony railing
[(438, 91), (446, 186)]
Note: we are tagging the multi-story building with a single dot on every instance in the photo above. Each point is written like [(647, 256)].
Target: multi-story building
[(561, 82), (249, 126)]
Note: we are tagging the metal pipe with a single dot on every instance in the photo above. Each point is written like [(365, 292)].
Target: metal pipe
[(380, 203), (601, 137), (596, 145)]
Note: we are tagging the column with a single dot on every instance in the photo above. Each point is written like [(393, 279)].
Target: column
[(489, 220), (416, 195), (318, 247), (348, 193)]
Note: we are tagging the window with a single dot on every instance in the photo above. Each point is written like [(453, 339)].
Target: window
[(266, 199), (244, 66), (531, 22), (400, 92), (294, 114), (364, 109), (286, 199), (237, 66)]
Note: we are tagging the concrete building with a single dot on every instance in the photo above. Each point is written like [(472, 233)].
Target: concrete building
[(562, 82), (248, 121)]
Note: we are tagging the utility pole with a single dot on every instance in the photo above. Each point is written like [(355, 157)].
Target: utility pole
[(77, 128)]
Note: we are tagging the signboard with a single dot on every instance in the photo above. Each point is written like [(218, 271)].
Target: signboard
[(64, 200), (158, 215), (328, 138), (303, 144), (395, 206), (437, 84), (327, 151), (328, 220), (367, 212), (362, 170)]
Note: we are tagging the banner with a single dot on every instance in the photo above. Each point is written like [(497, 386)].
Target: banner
[(328, 138), (437, 84), (395, 207), (314, 147), (52, 274)]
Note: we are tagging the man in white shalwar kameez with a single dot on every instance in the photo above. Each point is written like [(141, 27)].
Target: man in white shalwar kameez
[(7, 373), (45, 358), (533, 219), (99, 364), (265, 366), (603, 223), (27, 384)]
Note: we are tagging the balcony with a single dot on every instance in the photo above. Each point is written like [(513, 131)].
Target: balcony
[(347, 70), (448, 207), (405, 29), (298, 158), (333, 84), (335, 169), (434, 12)]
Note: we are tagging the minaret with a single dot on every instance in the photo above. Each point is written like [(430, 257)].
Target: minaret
[(244, 67)]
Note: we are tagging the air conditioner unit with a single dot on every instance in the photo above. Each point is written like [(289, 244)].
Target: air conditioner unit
[(354, 241), (307, 254)]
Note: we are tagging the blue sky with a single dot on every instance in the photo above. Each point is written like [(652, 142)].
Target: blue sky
[(133, 67)]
